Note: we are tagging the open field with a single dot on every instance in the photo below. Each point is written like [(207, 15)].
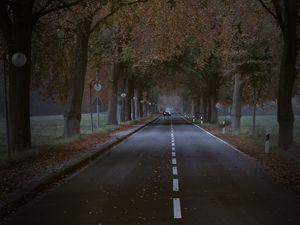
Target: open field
[(48, 130)]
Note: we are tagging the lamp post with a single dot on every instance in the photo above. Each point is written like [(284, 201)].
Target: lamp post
[(97, 87), (149, 108), (134, 107), (18, 59), (123, 96), (142, 108)]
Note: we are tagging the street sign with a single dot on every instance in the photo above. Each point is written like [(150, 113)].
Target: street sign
[(97, 87)]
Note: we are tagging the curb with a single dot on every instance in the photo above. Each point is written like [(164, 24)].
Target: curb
[(31, 191)]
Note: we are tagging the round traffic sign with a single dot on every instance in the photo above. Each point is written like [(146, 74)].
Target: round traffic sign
[(97, 87)]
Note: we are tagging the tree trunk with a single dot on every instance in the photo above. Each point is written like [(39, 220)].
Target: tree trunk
[(193, 107), (129, 111), (254, 116), (285, 115), (122, 89), (204, 109), (140, 105), (113, 95), (236, 103), (208, 108), (19, 131), (214, 110), (72, 115), (134, 105)]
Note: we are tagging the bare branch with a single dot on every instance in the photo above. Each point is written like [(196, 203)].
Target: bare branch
[(113, 11), (267, 9), (47, 11), (47, 4), (5, 22), (279, 14)]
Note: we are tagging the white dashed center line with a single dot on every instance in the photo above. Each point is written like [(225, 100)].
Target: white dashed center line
[(175, 185), (174, 162), (174, 170), (176, 201), (177, 208)]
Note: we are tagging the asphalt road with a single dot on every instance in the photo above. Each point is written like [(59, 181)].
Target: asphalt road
[(171, 172)]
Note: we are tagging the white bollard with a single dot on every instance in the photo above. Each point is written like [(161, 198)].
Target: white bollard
[(201, 119), (267, 142), (223, 126)]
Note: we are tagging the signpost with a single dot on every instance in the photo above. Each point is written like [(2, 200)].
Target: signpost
[(97, 87)]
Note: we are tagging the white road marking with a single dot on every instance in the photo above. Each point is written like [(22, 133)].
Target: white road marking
[(173, 148), (175, 185), (173, 144), (226, 143), (177, 208), (173, 154), (174, 162), (174, 170)]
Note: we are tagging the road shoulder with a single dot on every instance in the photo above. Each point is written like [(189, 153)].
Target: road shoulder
[(282, 169), (24, 180)]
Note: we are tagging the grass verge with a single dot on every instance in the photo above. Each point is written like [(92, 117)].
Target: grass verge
[(47, 134)]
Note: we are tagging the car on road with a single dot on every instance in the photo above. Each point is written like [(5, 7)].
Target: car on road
[(166, 113)]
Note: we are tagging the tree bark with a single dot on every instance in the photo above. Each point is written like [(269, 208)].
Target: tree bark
[(113, 95), (287, 16), (285, 115), (122, 89), (19, 81), (193, 107), (134, 105), (214, 110), (129, 110), (254, 116), (72, 116), (236, 103), (140, 105), (202, 107), (205, 117), (208, 109)]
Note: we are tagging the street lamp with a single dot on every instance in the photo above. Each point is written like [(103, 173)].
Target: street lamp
[(123, 95), (18, 59)]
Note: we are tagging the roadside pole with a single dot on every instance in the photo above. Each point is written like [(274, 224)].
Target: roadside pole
[(267, 142)]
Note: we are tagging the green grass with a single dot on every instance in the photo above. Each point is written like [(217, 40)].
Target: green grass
[(269, 123), (48, 130)]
